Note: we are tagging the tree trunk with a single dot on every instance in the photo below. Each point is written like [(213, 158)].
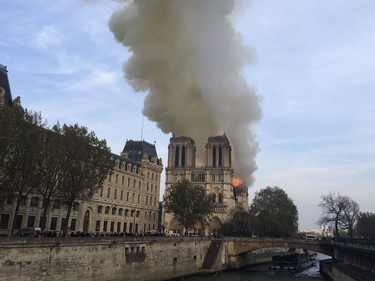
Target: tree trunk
[(43, 221), (66, 226), (15, 214)]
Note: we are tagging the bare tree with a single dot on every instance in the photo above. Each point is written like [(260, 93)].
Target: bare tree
[(349, 215), (339, 210)]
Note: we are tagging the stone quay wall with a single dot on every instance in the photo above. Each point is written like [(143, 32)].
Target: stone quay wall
[(94, 259)]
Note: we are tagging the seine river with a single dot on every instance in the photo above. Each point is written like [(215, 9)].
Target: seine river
[(261, 273)]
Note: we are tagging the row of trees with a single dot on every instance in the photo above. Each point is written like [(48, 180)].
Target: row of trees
[(65, 163), (343, 213), (271, 214)]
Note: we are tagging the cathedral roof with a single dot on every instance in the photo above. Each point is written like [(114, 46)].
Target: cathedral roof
[(221, 139), (4, 83)]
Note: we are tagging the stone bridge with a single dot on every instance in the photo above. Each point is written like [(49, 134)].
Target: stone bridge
[(242, 245), (353, 259)]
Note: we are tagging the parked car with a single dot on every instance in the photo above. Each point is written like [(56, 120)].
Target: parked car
[(29, 232)]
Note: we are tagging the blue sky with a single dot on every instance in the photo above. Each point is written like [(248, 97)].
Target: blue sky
[(314, 69)]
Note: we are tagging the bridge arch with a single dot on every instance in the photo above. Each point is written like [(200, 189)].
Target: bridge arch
[(239, 245)]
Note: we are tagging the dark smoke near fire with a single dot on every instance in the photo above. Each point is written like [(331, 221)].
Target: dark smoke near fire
[(187, 58)]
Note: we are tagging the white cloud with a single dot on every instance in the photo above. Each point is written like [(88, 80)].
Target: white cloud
[(47, 37)]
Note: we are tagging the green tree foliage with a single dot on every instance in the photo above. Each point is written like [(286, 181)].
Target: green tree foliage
[(21, 164), (189, 204), (239, 225), (339, 210), (365, 226), (86, 163), (275, 213)]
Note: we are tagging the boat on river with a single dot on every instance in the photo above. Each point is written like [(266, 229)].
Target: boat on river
[(292, 262)]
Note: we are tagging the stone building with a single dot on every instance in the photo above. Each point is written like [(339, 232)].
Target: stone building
[(128, 201), (215, 177)]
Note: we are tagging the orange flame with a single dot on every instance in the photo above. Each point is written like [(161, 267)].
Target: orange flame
[(236, 182)]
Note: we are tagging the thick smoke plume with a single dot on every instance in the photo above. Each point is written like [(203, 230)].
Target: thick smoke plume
[(187, 57)]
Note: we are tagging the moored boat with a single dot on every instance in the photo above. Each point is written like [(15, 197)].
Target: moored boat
[(292, 262)]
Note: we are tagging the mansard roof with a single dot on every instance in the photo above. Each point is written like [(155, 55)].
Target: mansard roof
[(123, 159), (4, 83), (136, 149)]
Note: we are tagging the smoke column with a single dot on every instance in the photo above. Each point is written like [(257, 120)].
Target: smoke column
[(187, 57)]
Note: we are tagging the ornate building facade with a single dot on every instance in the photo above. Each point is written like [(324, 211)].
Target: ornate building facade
[(215, 177), (127, 202)]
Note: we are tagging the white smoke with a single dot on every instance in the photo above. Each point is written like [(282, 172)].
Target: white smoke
[(188, 57)]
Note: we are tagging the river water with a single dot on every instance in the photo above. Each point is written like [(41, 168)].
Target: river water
[(262, 273)]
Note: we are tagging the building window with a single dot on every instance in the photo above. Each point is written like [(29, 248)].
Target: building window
[(115, 196), (214, 156), (100, 209), (122, 180), (34, 202), (118, 227), (183, 157), (75, 206), (146, 200), (220, 156), (106, 210), (127, 196), (23, 201), (139, 198), (105, 225), (120, 211), (176, 157), (122, 195), (116, 178), (101, 191), (63, 222), (108, 192), (112, 226), (4, 221), (30, 221), (97, 227), (125, 226), (126, 212), (220, 198), (53, 223), (19, 222), (113, 211), (56, 204), (73, 224)]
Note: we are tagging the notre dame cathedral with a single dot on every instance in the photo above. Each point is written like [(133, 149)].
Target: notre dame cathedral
[(215, 176)]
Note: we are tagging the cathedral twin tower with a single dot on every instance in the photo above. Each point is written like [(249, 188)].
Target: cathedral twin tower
[(214, 177)]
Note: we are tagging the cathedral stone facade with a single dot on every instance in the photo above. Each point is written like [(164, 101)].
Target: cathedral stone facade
[(215, 177)]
